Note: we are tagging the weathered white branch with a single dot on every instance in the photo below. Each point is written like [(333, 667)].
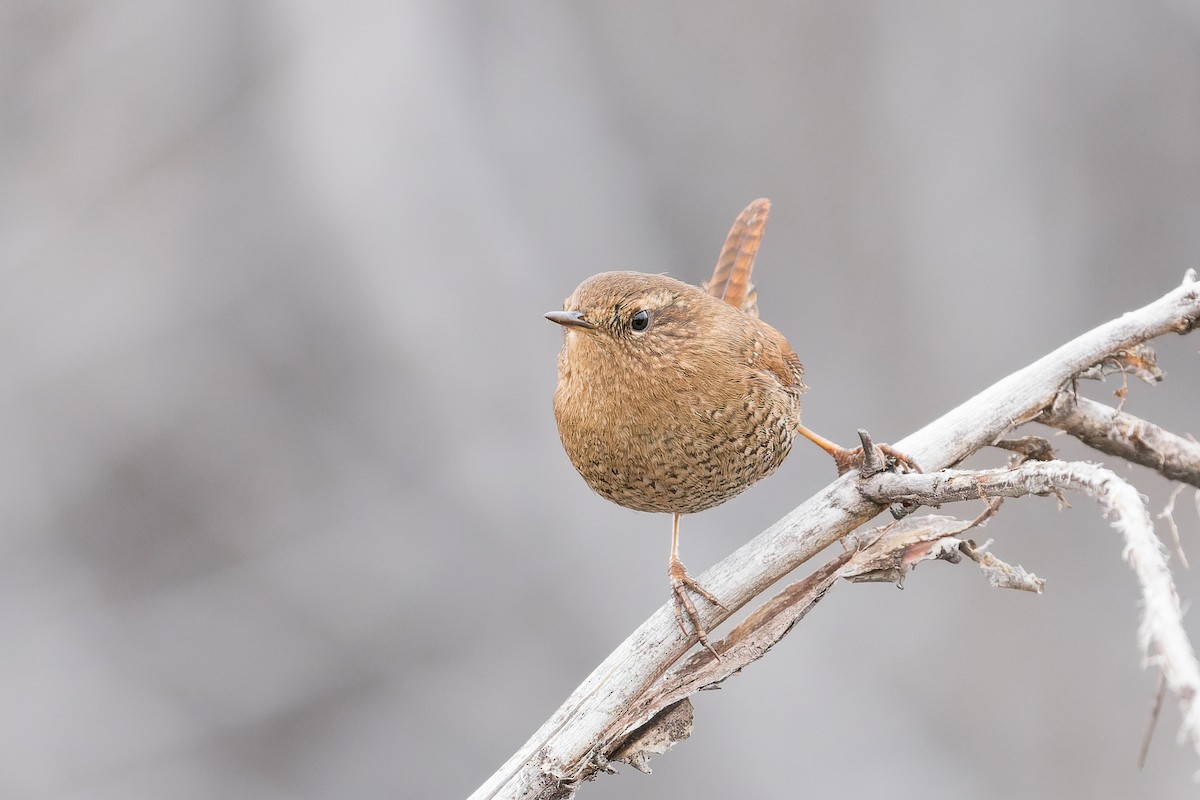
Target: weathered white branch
[(1161, 635), (573, 742), (1121, 434), (888, 553), (883, 554), (1002, 575)]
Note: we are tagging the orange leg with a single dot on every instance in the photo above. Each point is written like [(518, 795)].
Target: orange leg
[(681, 581), (851, 459)]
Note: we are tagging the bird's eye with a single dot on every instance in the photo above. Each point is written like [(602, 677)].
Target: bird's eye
[(640, 321)]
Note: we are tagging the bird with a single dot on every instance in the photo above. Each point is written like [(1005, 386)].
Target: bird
[(673, 398)]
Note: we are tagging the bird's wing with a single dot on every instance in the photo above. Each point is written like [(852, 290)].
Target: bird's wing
[(731, 278), (776, 356)]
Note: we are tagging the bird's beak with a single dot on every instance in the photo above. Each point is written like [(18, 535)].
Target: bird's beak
[(569, 319)]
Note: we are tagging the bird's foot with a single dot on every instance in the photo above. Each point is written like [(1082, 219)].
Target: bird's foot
[(883, 457), (868, 459), (899, 461), (681, 582)]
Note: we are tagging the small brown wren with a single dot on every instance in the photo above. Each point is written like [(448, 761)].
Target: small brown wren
[(673, 398)]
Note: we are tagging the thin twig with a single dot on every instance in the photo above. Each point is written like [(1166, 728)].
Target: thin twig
[(1152, 721), (1001, 574), (1168, 513)]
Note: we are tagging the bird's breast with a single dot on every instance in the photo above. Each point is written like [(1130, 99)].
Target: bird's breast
[(653, 441)]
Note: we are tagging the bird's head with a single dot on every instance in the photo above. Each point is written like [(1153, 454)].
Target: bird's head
[(632, 318), (631, 308)]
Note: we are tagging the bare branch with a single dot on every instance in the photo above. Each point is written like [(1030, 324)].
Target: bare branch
[(884, 554), (1125, 436), (1162, 638), (1000, 574), (745, 644), (1159, 694), (571, 744), (889, 553)]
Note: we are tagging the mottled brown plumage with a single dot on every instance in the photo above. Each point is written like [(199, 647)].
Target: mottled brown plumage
[(683, 415), (674, 399)]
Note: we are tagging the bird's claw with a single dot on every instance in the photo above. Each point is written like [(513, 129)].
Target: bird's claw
[(886, 458), (899, 461), (681, 582)]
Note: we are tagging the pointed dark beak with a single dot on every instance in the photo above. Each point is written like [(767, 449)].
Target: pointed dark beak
[(569, 319)]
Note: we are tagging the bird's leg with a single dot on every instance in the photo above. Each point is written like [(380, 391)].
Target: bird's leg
[(681, 581), (851, 459)]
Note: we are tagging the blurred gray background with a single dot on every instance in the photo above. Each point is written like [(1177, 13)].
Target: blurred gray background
[(284, 511)]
